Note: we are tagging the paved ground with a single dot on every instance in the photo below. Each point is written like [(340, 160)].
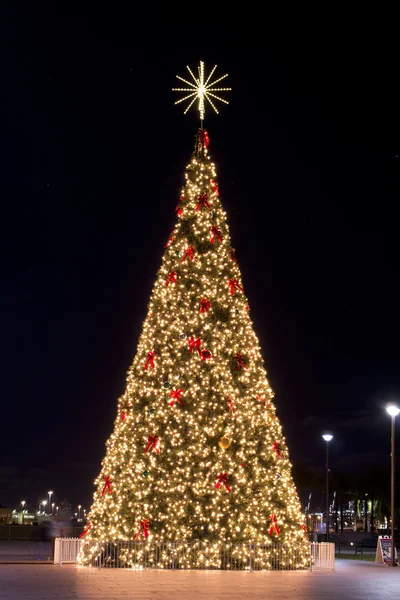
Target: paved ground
[(25, 552), (353, 580)]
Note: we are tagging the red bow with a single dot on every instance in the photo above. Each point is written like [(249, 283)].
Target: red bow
[(203, 201), (188, 252), (276, 448), (152, 441), (150, 360), (274, 526), (205, 305), (304, 528), (170, 240), (178, 210), (195, 345), (171, 278), (204, 138), (231, 404), (214, 187), (107, 486), (233, 283), (176, 395), (215, 233), (123, 416), (88, 528), (144, 528), (223, 480), (240, 362), (233, 257)]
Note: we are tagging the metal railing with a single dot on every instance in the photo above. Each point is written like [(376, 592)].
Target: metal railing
[(195, 555), (21, 532)]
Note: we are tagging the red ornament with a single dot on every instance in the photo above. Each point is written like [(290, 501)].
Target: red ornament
[(150, 360), (233, 283), (171, 278), (231, 404), (88, 528), (233, 257), (178, 210), (195, 345), (247, 307), (205, 355), (152, 442), (215, 233), (274, 526), (107, 486), (203, 201), (277, 450), (214, 187), (123, 416), (188, 252), (223, 480), (204, 139), (304, 528), (176, 395), (170, 239), (144, 528), (205, 305), (240, 362)]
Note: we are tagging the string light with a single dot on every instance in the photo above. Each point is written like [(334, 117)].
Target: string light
[(173, 483)]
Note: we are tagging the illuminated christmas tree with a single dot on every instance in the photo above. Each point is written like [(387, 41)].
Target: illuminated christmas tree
[(197, 451)]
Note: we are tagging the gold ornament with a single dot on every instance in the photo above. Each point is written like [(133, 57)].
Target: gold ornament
[(224, 443)]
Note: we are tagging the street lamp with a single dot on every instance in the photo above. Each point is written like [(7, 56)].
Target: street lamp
[(79, 511), (327, 437), (44, 502), (50, 493), (22, 514), (393, 411), (52, 508)]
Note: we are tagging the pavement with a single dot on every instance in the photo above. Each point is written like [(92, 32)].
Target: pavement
[(25, 552), (353, 580)]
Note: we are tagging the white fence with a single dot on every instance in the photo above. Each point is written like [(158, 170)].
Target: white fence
[(322, 556), (142, 555), (66, 550)]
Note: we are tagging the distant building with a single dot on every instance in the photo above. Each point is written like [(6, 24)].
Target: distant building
[(5, 515)]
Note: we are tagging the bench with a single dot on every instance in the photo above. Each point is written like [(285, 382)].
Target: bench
[(366, 544)]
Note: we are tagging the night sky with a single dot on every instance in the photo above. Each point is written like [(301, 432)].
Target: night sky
[(93, 152)]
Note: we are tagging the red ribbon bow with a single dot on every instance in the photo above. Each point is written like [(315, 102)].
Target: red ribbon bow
[(107, 485), (178, 210), (276, 448), (144, 528), (215, 233), (274, 526), (233, 283), (304, 528), (176, 395), (205, 305), (152, 441), (203, 201), (240, 362), (150, 360), (170, 240), (171, 278), (188, 252), (223, 480), (214, 187), (231, 404), (204, 138), (195, 345), (123, 416), (88, 528)]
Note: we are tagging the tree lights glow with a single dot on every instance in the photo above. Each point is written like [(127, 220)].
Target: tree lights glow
[(197, 452)]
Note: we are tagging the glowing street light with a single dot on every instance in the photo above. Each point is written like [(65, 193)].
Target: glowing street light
[(327, 437), (393, 410), (52, 508), (44, 502), (79, 511), (22, 512), (50, 493)]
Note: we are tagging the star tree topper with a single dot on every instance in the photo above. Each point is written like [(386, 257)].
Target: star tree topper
[(201, 89)]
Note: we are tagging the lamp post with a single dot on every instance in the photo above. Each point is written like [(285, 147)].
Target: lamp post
[(79, 511), (52, 508), (50, 493), (393, 411), (44, 502), (327, 437), (22, 515)]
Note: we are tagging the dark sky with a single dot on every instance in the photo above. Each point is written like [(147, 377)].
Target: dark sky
[(92, 158)]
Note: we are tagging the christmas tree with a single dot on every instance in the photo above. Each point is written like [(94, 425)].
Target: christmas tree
[(197, 452)]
